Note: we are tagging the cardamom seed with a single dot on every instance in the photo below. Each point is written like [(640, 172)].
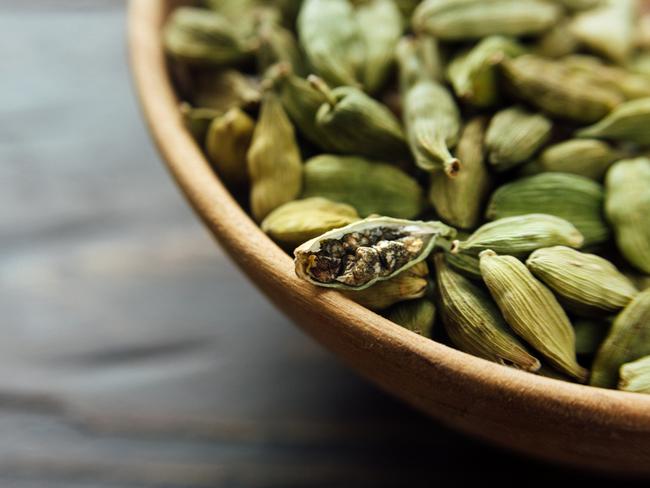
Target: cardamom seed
[(627, 122), (370, 187), (431, 117), (459, 200), (574, 198), (408, 285), (358, 124), (274, 162), (627, 340), (635, 376), (532, 311), (359, 255), (520, 235), (473, 322), (298, 221), (417, 316), (585, 157), (514, 136), (585, 283), (474, 73), (627, 206), (226, 145), (454, 20), (555, 89)]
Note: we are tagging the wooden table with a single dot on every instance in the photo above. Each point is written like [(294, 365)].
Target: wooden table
[(134, 354)]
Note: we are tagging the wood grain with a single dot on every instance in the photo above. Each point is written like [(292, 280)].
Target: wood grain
[(573, 424)]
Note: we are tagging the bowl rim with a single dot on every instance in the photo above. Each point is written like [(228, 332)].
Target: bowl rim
[(259, 256)]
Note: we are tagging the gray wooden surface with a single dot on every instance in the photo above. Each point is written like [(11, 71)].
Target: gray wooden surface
[(133, 353)]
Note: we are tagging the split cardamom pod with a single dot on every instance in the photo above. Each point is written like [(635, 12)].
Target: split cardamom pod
[(532, 311)]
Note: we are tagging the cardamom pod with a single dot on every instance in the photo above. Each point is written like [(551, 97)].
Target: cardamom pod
[(417, 316), (301, 102), (514, 136), (459, 200), (609, 29), (274, 162), (585, 283), (574, 198), (200, 36), (635, 376), (631, 85), (590, 334), (627, 340), (456, 20), (276, 44), (520, 235), (532, 311), (579, 4), (226, 146), (627, 206), (379, 43), (197, 119), (627, 122), (225, 89), (298, 221), (473, 322), (358, 124), (585, 157), (370, 187), (329, 34), (557, 42), (431, 117), (359, 255), (555, 89), (465, 264), (474, 74)]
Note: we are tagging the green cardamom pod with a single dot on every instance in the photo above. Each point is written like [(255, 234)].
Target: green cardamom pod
[(574, 198), (609, 29), (301, 101), (232, 9), (379, 43), (361, 254), (514, 136), (627, 122), (197, 119), (557, 42), (358, 124), (200, 36), (532, 311), (641, 281), (274, 162), (456, 20), (410, 284), (298, 221), (585, 283), (585, 157), (417, 316), (627, 205), (407, 7), (465, 264), (627, 340), (276, 44), (474, 74), (521, 235), (225, 89), (431, 117), (555, 89), (590, 334), (226, 145), (579, 4), (631, 85), (635, 376), (370, 187), (329, 34), (473, 322), (459, 200)]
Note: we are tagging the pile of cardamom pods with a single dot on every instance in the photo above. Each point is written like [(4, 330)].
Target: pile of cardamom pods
[(481, 162)]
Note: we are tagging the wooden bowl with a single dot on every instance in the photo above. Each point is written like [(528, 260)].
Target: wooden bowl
[(558, 421)]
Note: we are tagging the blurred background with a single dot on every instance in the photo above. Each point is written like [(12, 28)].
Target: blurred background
[(133, 353)]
